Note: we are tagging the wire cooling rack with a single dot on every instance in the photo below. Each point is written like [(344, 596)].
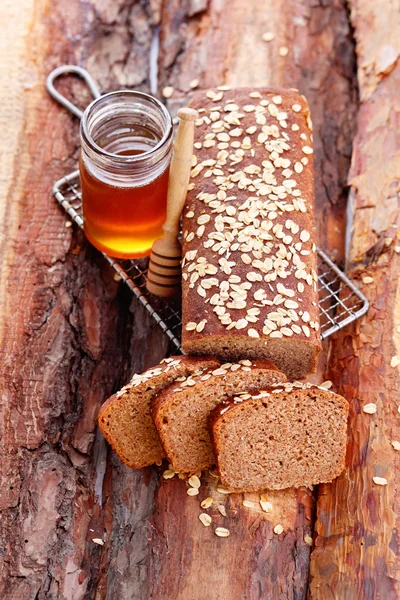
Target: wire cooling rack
[(340, 302)]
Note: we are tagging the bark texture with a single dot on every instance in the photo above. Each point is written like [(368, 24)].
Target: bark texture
[(356, 555), (70, 335)]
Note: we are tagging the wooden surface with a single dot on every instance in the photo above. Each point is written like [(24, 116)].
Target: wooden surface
[(71, 335), (357, 544)]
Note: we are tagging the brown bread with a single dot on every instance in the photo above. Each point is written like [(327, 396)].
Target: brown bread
[(181, 411), (125, 418), (286, 436), (249, 268)]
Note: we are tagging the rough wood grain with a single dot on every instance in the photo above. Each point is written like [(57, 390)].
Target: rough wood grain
[(68, 336), (65, 323), (172, 553), (356, 555)]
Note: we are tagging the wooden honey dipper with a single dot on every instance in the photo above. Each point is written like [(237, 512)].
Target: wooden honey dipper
[(164, 274)]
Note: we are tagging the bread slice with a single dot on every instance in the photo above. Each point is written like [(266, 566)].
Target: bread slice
[(181, 411), (125, 418), (287, 436)]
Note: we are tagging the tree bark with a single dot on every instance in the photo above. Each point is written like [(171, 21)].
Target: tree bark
[(356, 555), (66, 327), (71, 335)]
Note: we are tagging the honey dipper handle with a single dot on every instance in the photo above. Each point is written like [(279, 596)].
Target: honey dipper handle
[(179, 174)]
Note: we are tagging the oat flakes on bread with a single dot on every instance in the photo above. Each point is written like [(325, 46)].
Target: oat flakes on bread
[(181, 411), (249, 268), (125, 418)]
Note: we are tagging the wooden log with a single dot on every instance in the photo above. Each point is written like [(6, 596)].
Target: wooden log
[(65, 324), (356, 554), (169, 550), (68, 336)]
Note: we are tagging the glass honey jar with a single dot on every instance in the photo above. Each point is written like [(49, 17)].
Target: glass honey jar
[(126, 146)]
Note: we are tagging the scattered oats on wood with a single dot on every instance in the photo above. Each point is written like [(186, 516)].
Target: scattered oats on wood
[(396, 445), (194, 84), (278, 529), (168, 91), (248, 504), (98, 541), (366, 279), (212, 472), (221, 508), (265, 505), (205, 519), (68, 224), (207, 502), (283, 51), (168, 474), (222, 532), (223, 490), (194, 481), (268, 36), (117, 277), (370, 408), (379, 480), (192, 491), (395, 362), (308, 540)]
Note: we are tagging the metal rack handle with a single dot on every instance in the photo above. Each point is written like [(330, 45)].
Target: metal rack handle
[(63, 70)]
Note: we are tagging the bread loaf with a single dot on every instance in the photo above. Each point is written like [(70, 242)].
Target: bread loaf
[(181, 411), (125, 418), (289, 435), (249, 266)]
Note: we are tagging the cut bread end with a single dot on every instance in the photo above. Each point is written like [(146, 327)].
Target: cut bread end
[(295, 358), (181, 412), (280, 438)]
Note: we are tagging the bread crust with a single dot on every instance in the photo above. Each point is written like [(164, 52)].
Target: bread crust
[(202, 326), (162, 399)]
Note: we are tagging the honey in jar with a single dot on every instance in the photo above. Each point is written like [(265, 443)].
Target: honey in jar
[(124, 165)]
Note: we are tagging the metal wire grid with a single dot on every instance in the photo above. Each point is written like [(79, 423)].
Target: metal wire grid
[(340, 302)]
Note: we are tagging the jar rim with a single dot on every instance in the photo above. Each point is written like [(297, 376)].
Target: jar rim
[(126, 159)]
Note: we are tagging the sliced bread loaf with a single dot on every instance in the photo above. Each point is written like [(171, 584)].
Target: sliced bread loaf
[(125, 418), (249, 271), (290, 435), (181, 411)]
